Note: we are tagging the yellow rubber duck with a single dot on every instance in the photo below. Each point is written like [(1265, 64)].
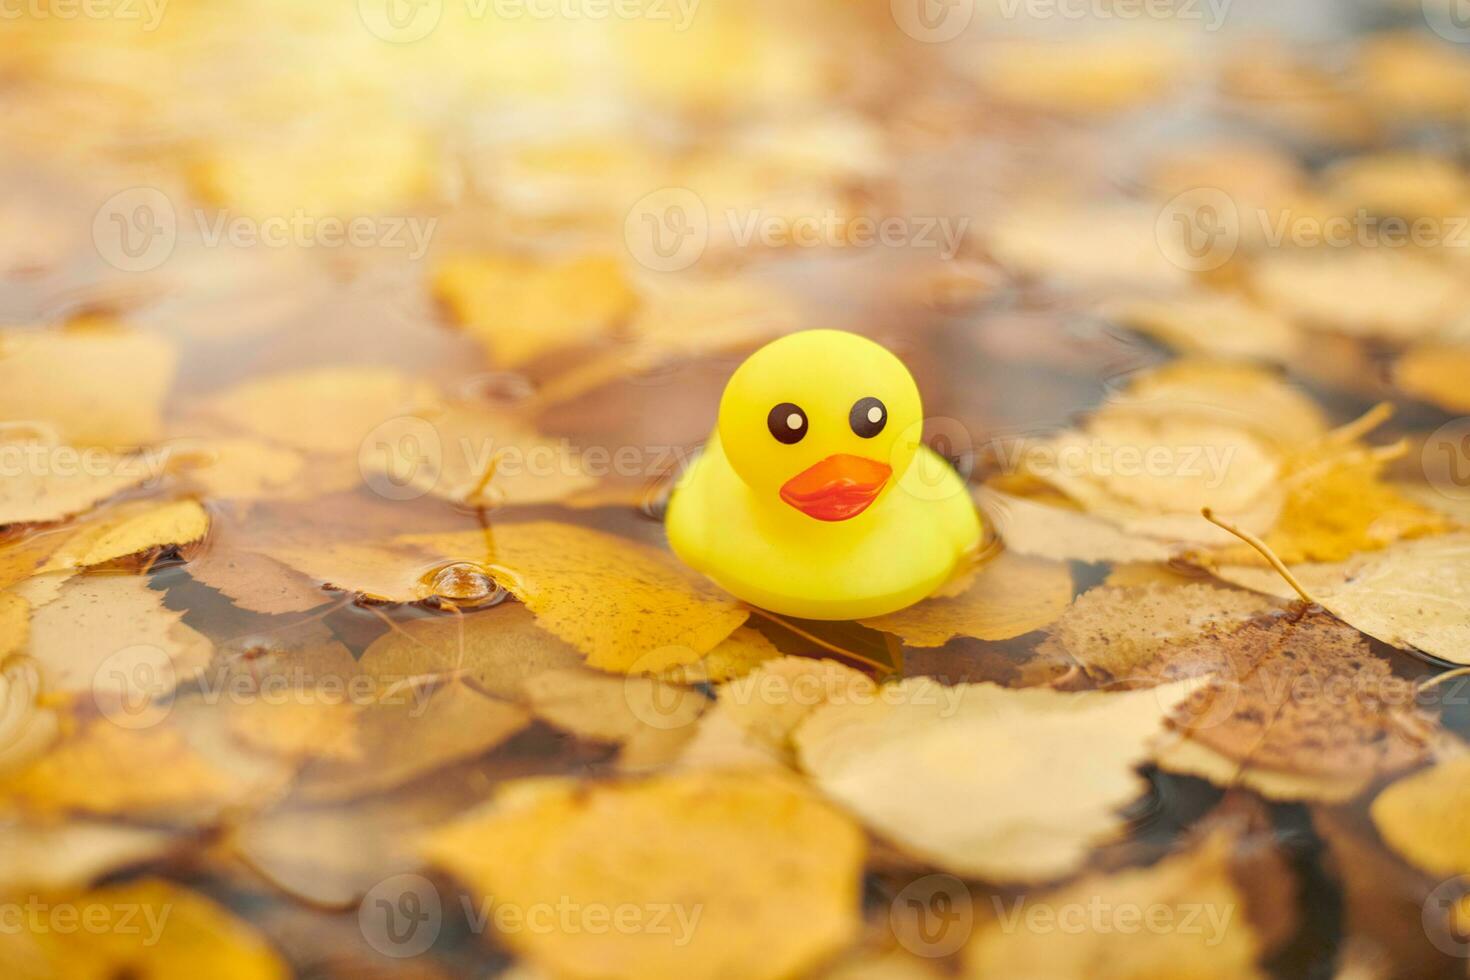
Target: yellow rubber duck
[(815, 497)]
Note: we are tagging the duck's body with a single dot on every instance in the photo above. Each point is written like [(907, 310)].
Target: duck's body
[(856, 521), (890, 556)]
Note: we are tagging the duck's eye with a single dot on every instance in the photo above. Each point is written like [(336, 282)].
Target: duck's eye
[(787, 423), (868, 417)]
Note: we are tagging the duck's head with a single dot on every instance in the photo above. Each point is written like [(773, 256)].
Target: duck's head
[(823, 420)]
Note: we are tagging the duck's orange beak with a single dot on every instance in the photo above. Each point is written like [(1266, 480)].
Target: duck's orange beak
[(837, 488)]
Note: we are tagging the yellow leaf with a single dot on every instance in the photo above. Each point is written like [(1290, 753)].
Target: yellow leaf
[(1083, 245), (1010, 595), (935, 770), (1436, 373), (1111, 945), (470, 454), (1364, 292), (323, 410), (129, 529), (1426, 817), (106, 769), (1214, 324), (15, 624), (1033, 527), (1235, 394), (304, 723), (242, 469), (74, 853), (340, 166), (410, 732), (731, 860), (1105, 73), (500, 648), (89, 385), (156, 930), (109, 637), (380, 572), (519, 309), (621, 603), (26, 728), (48, 482)]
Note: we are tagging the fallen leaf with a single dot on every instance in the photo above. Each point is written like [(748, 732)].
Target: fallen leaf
[(1411, 595), (1423, 817), (1365, 292), (107, 770), (15, 624), (26, 728), (499, 648), (409, 733), (1226, 392), (1114, 633), (1436, 373), (626, 605), (747, 855), (135, 528), (241, 469), (934, 769), (470, 454), (1222, 944), (519, 309), (50, 856), (1010, 595), (321, 410), (1214, 324), (1104, 73), (301, 724), (1083, 245), (170, 932), (109, 638), (1298, 709), (256, 582), (50, 483), (91, 384), (1031, 527)]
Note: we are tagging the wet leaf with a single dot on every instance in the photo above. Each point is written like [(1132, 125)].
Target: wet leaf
[(92, 384), (627, 606), (1220, 943), (1063, 533), (50, 491), (930, 768), (136, 528), (170, 932), (518, 309), (752, 854), (410, 732), (1297, 709), (109, 639), (1422, 817), (1436, 373), (1008, 596), (322, 410)]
